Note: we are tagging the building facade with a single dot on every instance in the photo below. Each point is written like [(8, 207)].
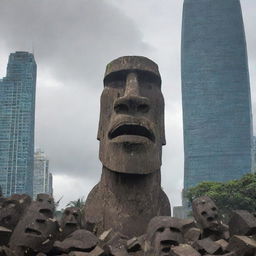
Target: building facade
[(42, 180), (17, 119), (216, 99)]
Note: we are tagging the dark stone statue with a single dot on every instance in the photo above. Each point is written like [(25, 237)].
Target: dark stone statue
[(207, 216), (37, 229), (70, 221), (163, 232), (12, 208), (131, 135)]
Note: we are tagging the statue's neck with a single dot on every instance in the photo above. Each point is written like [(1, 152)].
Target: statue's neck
[(131, 183)]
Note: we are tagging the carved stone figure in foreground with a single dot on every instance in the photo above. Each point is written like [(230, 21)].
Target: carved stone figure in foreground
[(207, 216), (37, 229), (131, 135)]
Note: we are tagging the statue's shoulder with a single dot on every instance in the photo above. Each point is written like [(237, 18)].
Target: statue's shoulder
[(165, 207)]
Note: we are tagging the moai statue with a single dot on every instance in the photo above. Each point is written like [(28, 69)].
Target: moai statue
[(37, 229), (131, 135), (163, 232), (12, 208), (70, 221), (207, 216)]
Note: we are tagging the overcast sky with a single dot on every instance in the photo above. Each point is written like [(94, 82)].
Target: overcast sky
[(73, 40)]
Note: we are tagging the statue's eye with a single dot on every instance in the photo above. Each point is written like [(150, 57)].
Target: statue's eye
[(160, 230), (214, 208), (175, 230), (203, 213)]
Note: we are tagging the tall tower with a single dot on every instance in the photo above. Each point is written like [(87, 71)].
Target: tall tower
[(42, 180), (17, 118), (215, 92)]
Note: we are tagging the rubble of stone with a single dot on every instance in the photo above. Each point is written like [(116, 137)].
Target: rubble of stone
[(33, 231)]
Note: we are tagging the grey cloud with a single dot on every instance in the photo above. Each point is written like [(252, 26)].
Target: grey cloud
[(75, 38)]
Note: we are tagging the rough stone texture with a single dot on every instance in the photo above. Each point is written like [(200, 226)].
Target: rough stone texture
[(192, 235), (215, 92), (183, 250), (70, 221), (242, 245), (5, 235), (12, 209), (207, 246), (37, 229), (242, 223), (4, 251), (206, 213), (223, 243), (163, 232), (80, 240), (131, 135)]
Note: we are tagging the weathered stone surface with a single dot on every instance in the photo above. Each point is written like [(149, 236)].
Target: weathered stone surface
[(70, 221), (206, 213), (135, 244), (242, 245), (80, 240), (162, 233), (242, 223), (131, 134), (12, 209), (223, 243), (37, 229), (183, 250), (4, 251), (192, 235), (207, 246), (5, 235)]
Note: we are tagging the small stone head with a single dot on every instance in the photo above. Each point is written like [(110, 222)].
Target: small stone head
[(71, 221), (205, 213), (12, 208), (163, 232), (37, 229), (131, 127)]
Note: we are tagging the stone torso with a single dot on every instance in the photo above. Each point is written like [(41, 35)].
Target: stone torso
[(125, 202)]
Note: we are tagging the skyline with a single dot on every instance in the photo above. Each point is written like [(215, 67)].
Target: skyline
[(71, 56)]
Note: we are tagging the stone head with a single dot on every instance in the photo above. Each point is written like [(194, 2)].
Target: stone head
[(37, 228), (205, 213), (164, 232), (70, 221), (131, 127), (12, 208)]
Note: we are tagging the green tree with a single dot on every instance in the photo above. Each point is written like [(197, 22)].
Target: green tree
[(80, 202), (233, 195)]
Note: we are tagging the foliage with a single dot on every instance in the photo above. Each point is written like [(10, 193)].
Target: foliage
[(233, 195), (80, 202)]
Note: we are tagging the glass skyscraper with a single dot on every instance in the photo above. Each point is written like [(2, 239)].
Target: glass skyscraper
[(215, 92), (17, 119), (42, 180)]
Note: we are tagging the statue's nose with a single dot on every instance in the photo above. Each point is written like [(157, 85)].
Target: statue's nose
[(132, 101)]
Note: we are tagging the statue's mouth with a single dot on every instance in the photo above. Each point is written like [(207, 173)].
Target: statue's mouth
[(131, 133), (32, 231)]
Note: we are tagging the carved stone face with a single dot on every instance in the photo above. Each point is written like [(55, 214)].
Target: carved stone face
[(71, 220), (36, 229), (164, 232), (206, 213), (131, 127), (12, 208)]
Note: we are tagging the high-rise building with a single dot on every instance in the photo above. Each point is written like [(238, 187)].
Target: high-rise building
[(17, 118), (42, 181), (215, 92)]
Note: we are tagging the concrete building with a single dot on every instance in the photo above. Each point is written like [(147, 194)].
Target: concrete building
[(42, 181), (17, 118), (216, 99)]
